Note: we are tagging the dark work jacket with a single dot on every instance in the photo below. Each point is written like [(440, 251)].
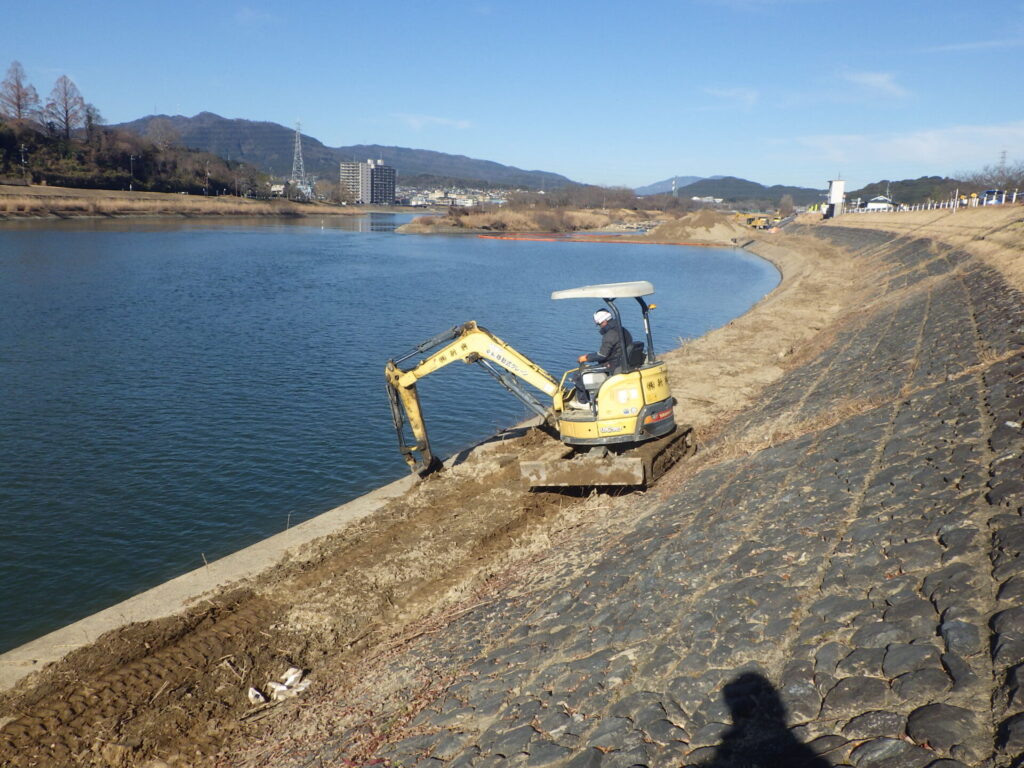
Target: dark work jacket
[(611, 349)]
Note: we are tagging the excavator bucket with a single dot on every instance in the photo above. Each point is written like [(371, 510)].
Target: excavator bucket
[(405, 409), (562, 467)]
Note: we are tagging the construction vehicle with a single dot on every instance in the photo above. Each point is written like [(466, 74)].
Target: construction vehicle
[(625, 436)]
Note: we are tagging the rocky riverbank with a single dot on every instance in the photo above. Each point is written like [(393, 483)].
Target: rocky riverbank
[(832, 580)]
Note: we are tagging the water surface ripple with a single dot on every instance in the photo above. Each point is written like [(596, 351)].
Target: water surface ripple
[(174, 392)]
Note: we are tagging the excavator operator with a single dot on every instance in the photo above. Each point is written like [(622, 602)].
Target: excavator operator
[(608, 358)]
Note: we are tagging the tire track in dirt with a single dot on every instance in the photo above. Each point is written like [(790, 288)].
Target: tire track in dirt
[(95, 714), (174, 691)]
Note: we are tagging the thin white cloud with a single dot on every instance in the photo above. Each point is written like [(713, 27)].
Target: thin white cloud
[(938, 151), (419, 122), (880, 83), (253, 16), (759, 5), (978, 45), (744, 98)]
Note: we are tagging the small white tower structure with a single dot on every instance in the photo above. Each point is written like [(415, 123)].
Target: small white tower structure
[(836, 198)]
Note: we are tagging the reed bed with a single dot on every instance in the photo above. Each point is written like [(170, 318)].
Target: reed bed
[(18, 206)]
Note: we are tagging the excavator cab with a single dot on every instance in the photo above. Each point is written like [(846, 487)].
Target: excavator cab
[(630, 399)]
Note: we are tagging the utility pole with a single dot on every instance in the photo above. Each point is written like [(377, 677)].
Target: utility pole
[(299, 178), (131, 181), (24, 170)]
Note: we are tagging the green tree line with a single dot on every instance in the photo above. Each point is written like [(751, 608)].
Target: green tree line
[(62, 141)]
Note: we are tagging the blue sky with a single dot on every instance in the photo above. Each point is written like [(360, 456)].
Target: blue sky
[(611, 93)]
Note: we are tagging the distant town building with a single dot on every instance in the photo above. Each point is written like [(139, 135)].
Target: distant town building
[(370, 182), (382, 183), (355, 181), (880, 203)]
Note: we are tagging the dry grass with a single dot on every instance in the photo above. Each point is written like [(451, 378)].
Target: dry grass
[(993, 233), (182, 205), (62, 202)]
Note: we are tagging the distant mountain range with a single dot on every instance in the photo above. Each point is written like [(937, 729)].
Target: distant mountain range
[(664, 187), (270, 146), (733, 190), (742, 191)]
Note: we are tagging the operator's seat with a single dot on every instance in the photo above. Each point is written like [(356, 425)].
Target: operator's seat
[(635, 355)]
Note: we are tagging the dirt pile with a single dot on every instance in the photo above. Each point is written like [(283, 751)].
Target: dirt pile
[(554, 220), (703, 226)]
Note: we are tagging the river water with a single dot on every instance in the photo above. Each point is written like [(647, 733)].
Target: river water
[(176, 391)]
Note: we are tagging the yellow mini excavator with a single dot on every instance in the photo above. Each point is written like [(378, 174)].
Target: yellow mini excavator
[(625, 436)]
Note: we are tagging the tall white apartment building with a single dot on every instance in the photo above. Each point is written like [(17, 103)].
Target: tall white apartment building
[(369, 182)]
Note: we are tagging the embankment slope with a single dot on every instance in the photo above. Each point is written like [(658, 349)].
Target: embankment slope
[(836, 576), (845, 544)]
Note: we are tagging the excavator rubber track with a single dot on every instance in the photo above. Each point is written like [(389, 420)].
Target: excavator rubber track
[(563, 467)]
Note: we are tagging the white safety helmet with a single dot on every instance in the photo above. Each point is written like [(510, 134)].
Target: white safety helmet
[(602, 316)]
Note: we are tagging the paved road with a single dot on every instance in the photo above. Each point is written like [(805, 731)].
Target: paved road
[(853, 595)]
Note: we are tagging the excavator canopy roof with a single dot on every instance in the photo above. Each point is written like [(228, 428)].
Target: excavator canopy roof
[(607, 291)]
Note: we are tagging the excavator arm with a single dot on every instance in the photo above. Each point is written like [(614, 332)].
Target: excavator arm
[(468, 343)]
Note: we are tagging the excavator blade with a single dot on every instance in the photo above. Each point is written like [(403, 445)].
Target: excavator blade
[(639, 466)]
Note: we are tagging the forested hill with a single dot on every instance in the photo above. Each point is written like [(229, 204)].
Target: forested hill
[(913, 191), (732, 189), (271, 146)]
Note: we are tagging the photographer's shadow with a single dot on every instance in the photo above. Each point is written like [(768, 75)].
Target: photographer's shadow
[(759, 737)]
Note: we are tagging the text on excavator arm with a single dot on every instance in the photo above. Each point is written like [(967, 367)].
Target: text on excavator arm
[(468, 343)]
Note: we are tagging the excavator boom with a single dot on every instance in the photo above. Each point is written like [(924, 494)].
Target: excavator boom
[(468, 343)]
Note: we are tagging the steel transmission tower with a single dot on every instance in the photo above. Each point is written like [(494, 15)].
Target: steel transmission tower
[(299, 178)]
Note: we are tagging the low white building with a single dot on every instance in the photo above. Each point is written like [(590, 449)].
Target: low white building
[(880, 203)]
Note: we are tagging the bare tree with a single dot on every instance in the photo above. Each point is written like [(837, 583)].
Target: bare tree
[(161, 132), (1005, 176), (327, 190), (786, 206), (65, 107), (93, 120), (18, 98)]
